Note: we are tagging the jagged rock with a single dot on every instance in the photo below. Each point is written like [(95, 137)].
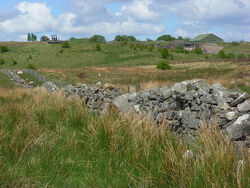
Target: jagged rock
[(244, 107), (122, 103), (240, 128), (180, 88), (51, 87), (189, 118), (240, 99), (231, 115)]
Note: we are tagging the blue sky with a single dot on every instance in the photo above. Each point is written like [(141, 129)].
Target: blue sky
[(144, 19)]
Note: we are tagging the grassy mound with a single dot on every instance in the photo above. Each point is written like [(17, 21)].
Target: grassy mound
[(46, 140)]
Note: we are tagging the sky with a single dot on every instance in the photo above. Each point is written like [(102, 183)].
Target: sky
[(144, 19)]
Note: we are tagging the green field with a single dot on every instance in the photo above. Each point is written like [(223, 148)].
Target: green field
[(82, 53), (5, 82), (122, 64)]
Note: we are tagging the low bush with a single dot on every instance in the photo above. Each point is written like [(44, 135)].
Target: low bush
[(241, 56), (61, 51), (164, 52), (235, 43), (14, 62), (65, 44), (171, 57), (221, 54), (179, 49), (30, 66), (2, 61), (98, 47), (198, 51), (163, 65), (230, 56), (4, 49)]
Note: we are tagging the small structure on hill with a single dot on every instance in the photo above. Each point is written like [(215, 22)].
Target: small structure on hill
[(207, 38), (54, 40)]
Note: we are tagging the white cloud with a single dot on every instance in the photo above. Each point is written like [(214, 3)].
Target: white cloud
[(86, 18), (141, 10), (35, 17)]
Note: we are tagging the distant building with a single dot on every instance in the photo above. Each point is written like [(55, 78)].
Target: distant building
[(207, 38)]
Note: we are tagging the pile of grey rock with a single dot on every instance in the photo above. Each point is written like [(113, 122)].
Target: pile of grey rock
[(183, 106), (19, 81), (51, 87), (96, 98)]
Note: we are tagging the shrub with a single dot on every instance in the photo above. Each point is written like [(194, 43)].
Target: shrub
[(120, 38), (131, 46), (97, 38), (14, 62), (44, 38), (164, 52), (124, 43), (163, 65), (179, 49), (2, 61), (221, 54), (171, 57), (241, 56), (65, 44), (98, 47), (166, 38), (61, 51), (198, 51), (30, 56), (235, 43), (151, 47), (206, 57), (230, 56), (30, 66), (186, 51), (4, 49)]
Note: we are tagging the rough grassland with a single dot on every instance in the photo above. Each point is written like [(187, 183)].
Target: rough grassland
[(47, 141), (5, 82), (82, 53)]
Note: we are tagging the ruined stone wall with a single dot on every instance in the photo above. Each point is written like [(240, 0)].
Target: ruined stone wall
[(183, 106)]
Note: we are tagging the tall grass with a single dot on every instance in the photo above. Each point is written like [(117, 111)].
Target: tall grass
[(48, 141)]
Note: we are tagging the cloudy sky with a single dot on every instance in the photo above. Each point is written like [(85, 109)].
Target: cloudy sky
[(229, 19)]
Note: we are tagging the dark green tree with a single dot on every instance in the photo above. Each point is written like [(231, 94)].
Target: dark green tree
[(164, 52), (29, 37), (33, 37), (166, 38), (44, 38), (98, 38)]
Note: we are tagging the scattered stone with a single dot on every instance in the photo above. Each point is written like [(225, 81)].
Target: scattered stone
[(122, 103), (244, 107), (240, 128), (18, 81), (51, 87), (240, 99), (231, 115), (188, 155)]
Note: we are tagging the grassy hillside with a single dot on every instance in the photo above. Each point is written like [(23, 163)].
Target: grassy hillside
[(5, 82), (47, 141), (82, 53)]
